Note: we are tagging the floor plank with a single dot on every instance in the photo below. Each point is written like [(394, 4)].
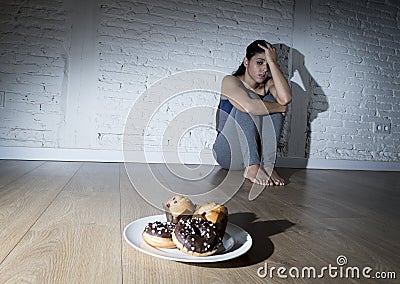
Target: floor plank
[(11, 170), (24, 201), (77, 239)]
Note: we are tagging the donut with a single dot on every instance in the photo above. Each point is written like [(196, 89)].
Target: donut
[(196, 236), (158, 234), (178, 207), (215, 213)]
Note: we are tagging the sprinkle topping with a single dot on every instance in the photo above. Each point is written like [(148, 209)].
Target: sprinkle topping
[(197, 235), (160, 229)]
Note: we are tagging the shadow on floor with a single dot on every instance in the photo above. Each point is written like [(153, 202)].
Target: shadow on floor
[(260, 231)]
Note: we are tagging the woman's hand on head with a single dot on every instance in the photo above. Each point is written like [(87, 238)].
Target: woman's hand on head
[(271, 55)]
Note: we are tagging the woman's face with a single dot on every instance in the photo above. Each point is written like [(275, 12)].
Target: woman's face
[(257, 67)]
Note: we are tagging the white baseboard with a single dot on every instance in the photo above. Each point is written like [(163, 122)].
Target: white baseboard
[(98, 155), (311, 163), (60, 154)]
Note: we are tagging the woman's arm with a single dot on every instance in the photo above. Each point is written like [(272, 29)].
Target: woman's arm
[(234, 90), (278, 86)]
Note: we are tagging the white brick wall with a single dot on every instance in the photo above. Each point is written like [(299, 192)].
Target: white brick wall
[(71, 72), (141, 43), (359, 40), (32, 37)]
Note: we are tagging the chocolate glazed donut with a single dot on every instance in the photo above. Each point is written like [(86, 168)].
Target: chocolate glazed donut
[(196, 237), (159, 234)]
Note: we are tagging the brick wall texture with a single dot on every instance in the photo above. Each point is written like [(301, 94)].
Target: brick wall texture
[(71, 71)]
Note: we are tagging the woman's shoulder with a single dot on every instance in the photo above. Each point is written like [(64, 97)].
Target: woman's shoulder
[(230, 81), (229, 84)]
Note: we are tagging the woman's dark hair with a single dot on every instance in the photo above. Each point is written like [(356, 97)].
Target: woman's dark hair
[(251, 50)]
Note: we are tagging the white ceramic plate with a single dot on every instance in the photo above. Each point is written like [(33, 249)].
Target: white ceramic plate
[(236, 242)]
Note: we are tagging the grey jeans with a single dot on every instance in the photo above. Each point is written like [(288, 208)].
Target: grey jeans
[(248, 139)]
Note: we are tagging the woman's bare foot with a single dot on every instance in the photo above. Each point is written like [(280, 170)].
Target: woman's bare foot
[(257, 175), (274, 177)]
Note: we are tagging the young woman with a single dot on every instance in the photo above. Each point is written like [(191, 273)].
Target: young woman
[(253, 103)]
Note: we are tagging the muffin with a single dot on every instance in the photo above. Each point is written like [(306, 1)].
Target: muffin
[(178, 207), (215, 213)]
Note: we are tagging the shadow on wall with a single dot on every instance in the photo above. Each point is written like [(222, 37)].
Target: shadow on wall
[(308, 100)]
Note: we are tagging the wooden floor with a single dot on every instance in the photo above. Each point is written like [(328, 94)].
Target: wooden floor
[(62, 222)]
